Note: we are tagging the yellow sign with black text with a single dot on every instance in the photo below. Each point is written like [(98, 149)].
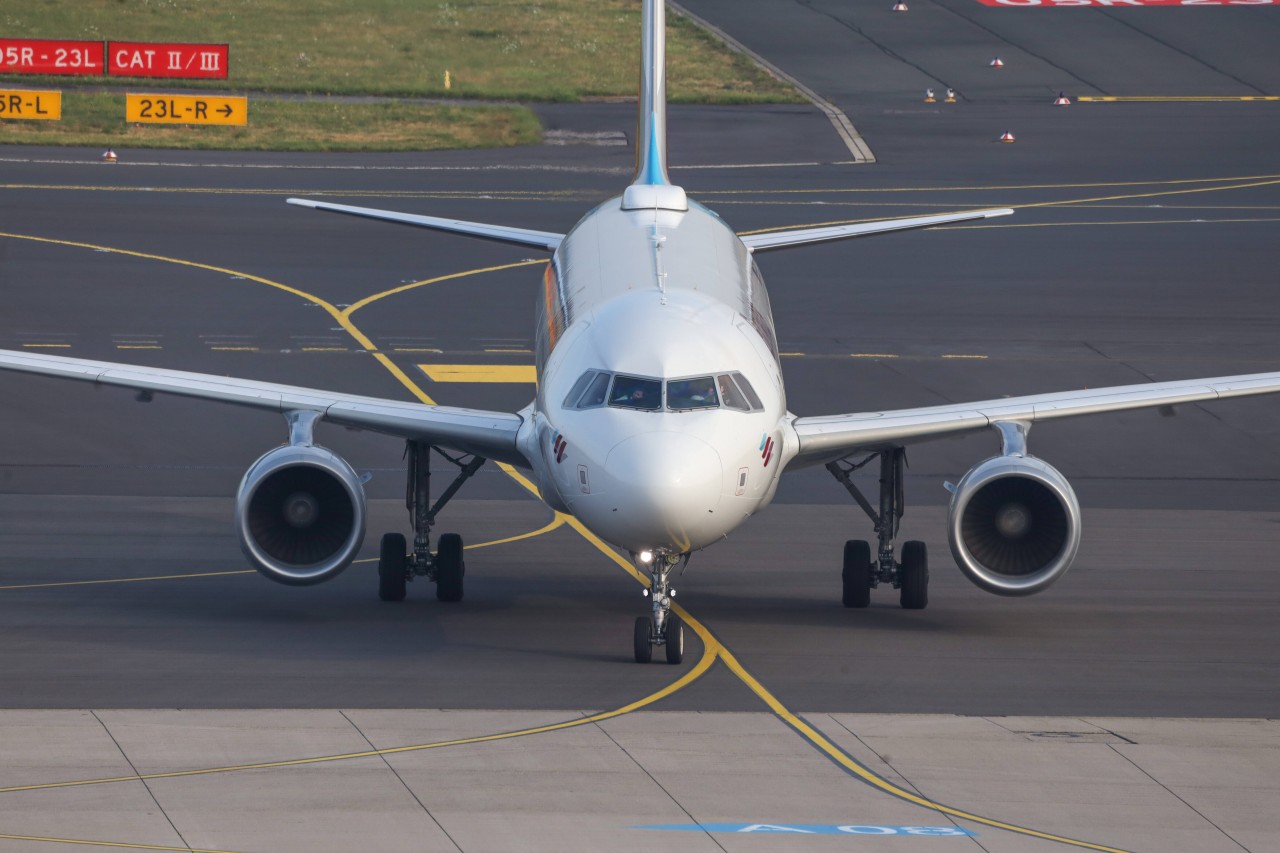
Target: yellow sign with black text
[(30, 105), (186, 109)]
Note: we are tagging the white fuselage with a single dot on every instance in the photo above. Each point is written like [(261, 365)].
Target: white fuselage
[(661, 297)]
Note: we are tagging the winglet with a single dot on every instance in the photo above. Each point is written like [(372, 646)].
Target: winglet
[(651, 188)]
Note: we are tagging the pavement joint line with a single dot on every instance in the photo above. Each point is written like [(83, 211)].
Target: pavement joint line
[(1097, 99), (1175, 795), (1110, 224), (713, 650), (146, 787), (659, 785), (412, 793)]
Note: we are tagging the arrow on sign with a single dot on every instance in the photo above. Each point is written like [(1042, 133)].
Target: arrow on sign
[(226, 110)]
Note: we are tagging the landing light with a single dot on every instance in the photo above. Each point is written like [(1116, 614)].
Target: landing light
[(646, 557)]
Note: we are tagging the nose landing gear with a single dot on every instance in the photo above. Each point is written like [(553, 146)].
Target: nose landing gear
[(663, 628)]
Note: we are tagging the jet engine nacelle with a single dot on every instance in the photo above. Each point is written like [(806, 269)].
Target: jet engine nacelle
[(300, 513), (1014, 525)]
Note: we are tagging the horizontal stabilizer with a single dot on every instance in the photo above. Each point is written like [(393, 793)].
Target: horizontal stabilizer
[(501, 233), (801, 236)]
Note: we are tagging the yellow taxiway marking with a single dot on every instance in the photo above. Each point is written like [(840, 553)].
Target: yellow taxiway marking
[(1097, 99), (989, 187), (872, 355), (128, 580), (1270, 181), (960, 355), (234, 349), (712, 649), (325, 349), (47, 346), (113, 844), (480, 372), (138, 346), (696, 672)]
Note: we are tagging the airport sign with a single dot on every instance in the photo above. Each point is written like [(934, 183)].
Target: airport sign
[(30, 104), (186, 109), (49, 56), (152, 59)]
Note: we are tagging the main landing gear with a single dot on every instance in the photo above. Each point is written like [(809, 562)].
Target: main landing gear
[(862, 573), (396, 565), (663, 628)]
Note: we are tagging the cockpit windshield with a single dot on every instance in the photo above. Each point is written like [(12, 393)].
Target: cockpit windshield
[(633, 392), (725, 390), (697, 393)]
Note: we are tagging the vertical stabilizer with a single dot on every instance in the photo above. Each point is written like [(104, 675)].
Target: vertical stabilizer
[(651, 188)]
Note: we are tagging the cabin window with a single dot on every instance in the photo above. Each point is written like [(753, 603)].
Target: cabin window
[(696, 393), (634, 392)]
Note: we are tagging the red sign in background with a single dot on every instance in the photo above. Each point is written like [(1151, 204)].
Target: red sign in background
[(47, 56), (1125, 3), (150, 59)]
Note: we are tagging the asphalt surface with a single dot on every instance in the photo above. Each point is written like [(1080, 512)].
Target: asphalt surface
[(1144, 247)]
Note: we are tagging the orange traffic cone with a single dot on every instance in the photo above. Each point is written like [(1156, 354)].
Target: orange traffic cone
[(1061, 101), (109, 156), (997, 63), (929, 98), (899, 6), (1007, 136)]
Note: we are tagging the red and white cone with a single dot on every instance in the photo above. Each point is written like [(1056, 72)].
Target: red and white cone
[(997, 62), (1007, 136), (1061, 101), (109, 156), (899, 6)]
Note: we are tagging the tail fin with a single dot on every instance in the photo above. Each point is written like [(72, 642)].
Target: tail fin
[(651, 188)]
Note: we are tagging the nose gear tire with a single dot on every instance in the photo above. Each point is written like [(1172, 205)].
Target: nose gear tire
[(643, 638), (673, 637)]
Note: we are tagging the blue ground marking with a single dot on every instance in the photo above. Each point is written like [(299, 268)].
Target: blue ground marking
[(818, 829)]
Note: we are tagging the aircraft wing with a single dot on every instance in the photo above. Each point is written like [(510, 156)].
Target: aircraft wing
[(827, 438), (800, 236), (501, 233), (488, 434)]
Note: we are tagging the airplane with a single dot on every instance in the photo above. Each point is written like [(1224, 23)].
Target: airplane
[(660, 419)]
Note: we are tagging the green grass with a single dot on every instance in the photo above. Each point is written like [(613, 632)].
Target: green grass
[(554, 50), (98, 120)]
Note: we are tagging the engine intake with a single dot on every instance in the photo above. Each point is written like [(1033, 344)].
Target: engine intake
[(1014, 525), (300, 514)]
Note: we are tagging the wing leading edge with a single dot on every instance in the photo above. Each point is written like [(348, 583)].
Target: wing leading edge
[(545, 240), (488, 434), (801, 236), (826, 438)]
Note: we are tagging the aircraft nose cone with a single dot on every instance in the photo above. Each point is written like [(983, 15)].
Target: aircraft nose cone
[(666, 489)]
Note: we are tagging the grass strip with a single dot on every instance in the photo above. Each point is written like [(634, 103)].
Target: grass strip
[(548, 50)]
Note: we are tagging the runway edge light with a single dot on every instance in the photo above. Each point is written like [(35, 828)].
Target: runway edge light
[(109, 156), (996, 62), (1007, 136), (951, 96), (1062, 100), (929, 98)]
